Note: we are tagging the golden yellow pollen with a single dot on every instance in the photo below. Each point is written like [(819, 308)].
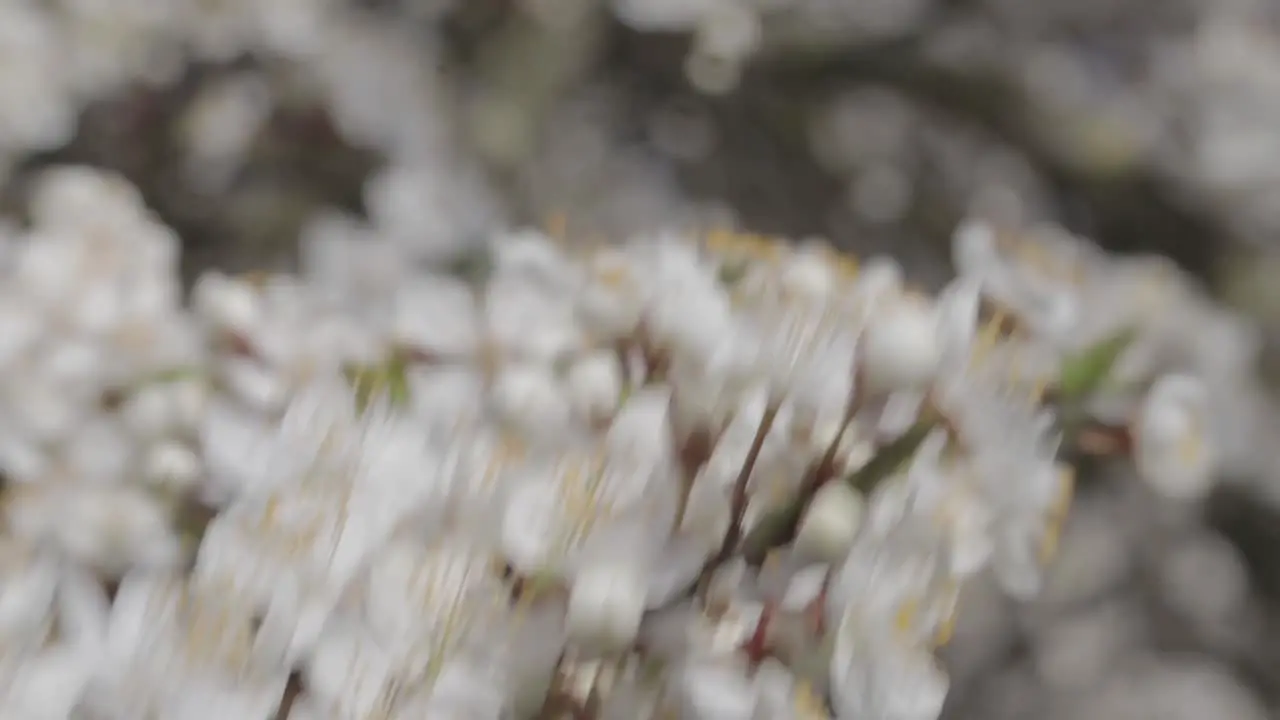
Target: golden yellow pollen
[(946, 631), (720, 240), (214, 633), (1039, 388), (808, 705), (846, 265), (1191, 447), (1057, 515), (756, 247), (905, 619), (988, 336), (613, 277), (583, 493)]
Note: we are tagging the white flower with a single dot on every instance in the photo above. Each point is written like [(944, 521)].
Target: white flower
[(148, 413), (238, 449), (595, 385), (716, 691), (526, 321), (173, 651), (900, 349), (447, 397), (583, 504), (49, 268), (27, 595), (20, 329), (807, 357), (99, 452), (704, 399), (873, 676), (690, 316), (606, 605), (534, 255), (46, 685), (428, 604), (879, 281), (611, 302), (829, 527), (254, 383), (228, 304), (531, 399), (640, 433), (973, 249), (351, 676), (957, 310), (1171, 444), (303, 547), (436, 316), (172, 467), (808, 274), (109, 528)]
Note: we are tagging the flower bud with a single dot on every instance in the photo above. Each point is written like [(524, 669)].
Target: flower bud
[(808, 274), (900, 348), (973, 248), (171, 466), (227, 303), (147, 413), (880, 277), (258, 386), (606, 605), (831, 523), (189, 398), (595, 385), (529, 398), (1171, 447)]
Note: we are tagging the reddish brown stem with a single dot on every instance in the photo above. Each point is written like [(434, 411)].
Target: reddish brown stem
[(738, 501)]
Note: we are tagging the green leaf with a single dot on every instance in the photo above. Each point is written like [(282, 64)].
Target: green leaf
[(369, 382), (731, 273), (779, 526), (890, 458), (473, 265), (774, 530), (1084, 373)]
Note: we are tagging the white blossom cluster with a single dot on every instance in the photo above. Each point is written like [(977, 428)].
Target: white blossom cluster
[(709, 477)]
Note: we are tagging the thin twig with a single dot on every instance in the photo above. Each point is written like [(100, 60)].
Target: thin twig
[(738, 501)]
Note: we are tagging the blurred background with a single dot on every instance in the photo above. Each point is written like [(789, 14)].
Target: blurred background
[(258, 127)]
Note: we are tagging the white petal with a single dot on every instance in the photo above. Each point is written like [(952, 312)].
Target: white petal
[(717, 692)]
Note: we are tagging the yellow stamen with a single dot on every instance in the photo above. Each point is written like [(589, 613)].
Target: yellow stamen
[(808, 705), (946, 631), (1057, 515), (1039, 388), (905, 619), (1191, 447), (988, 336), (613, 277)]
